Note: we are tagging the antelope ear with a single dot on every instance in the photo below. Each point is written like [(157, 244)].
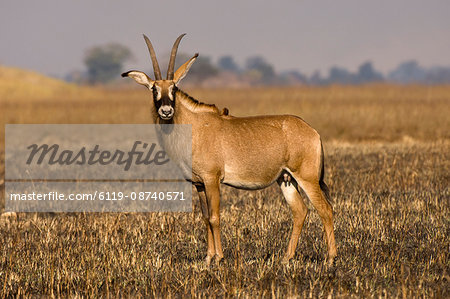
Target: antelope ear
[(139, 77), (183, 70)]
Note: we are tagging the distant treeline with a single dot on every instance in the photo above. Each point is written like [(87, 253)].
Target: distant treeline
[(257, 71), (105, 63), (408, 72)]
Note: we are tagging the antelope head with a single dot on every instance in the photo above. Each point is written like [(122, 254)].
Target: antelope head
[(163, 91)]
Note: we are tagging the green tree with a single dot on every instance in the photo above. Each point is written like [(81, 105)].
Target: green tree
[(105, 63)]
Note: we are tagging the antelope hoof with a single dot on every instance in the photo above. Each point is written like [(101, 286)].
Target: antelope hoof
[(219, 259), (286, 260), (331, 262), (208, 259)]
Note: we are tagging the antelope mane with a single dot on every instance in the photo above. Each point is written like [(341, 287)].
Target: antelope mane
[(194, 105)]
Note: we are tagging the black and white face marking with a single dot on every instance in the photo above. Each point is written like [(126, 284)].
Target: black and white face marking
[(164, 99)]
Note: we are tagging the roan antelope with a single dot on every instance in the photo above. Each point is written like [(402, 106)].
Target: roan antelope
[(243, 152)]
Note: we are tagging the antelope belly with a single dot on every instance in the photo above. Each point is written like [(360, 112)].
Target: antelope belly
[(249, 178)]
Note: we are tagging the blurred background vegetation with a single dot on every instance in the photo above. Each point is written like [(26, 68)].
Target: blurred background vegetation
[(103, 64)]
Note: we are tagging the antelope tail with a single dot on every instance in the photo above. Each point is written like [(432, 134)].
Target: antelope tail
[(323, 185)]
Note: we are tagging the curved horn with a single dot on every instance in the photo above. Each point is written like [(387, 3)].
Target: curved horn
[(153, 56), (172, 57)]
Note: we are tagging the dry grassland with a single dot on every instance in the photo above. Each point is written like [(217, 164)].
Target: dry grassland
[(387, 165)]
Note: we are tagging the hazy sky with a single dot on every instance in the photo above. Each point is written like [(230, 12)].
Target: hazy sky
[(52, 36)]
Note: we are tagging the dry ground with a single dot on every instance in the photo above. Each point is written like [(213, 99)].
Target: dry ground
[(387, 165)]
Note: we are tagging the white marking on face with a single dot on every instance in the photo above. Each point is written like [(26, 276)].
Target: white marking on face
[(158, 92), (165, 112), (170, 89)]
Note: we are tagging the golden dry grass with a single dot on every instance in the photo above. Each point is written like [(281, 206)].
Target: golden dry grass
[(387, 165), (23, 85)]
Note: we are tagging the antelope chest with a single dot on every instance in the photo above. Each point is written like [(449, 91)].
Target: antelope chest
[(176, 142)]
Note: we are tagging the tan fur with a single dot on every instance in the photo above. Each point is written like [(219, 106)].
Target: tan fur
[(250, 153)]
